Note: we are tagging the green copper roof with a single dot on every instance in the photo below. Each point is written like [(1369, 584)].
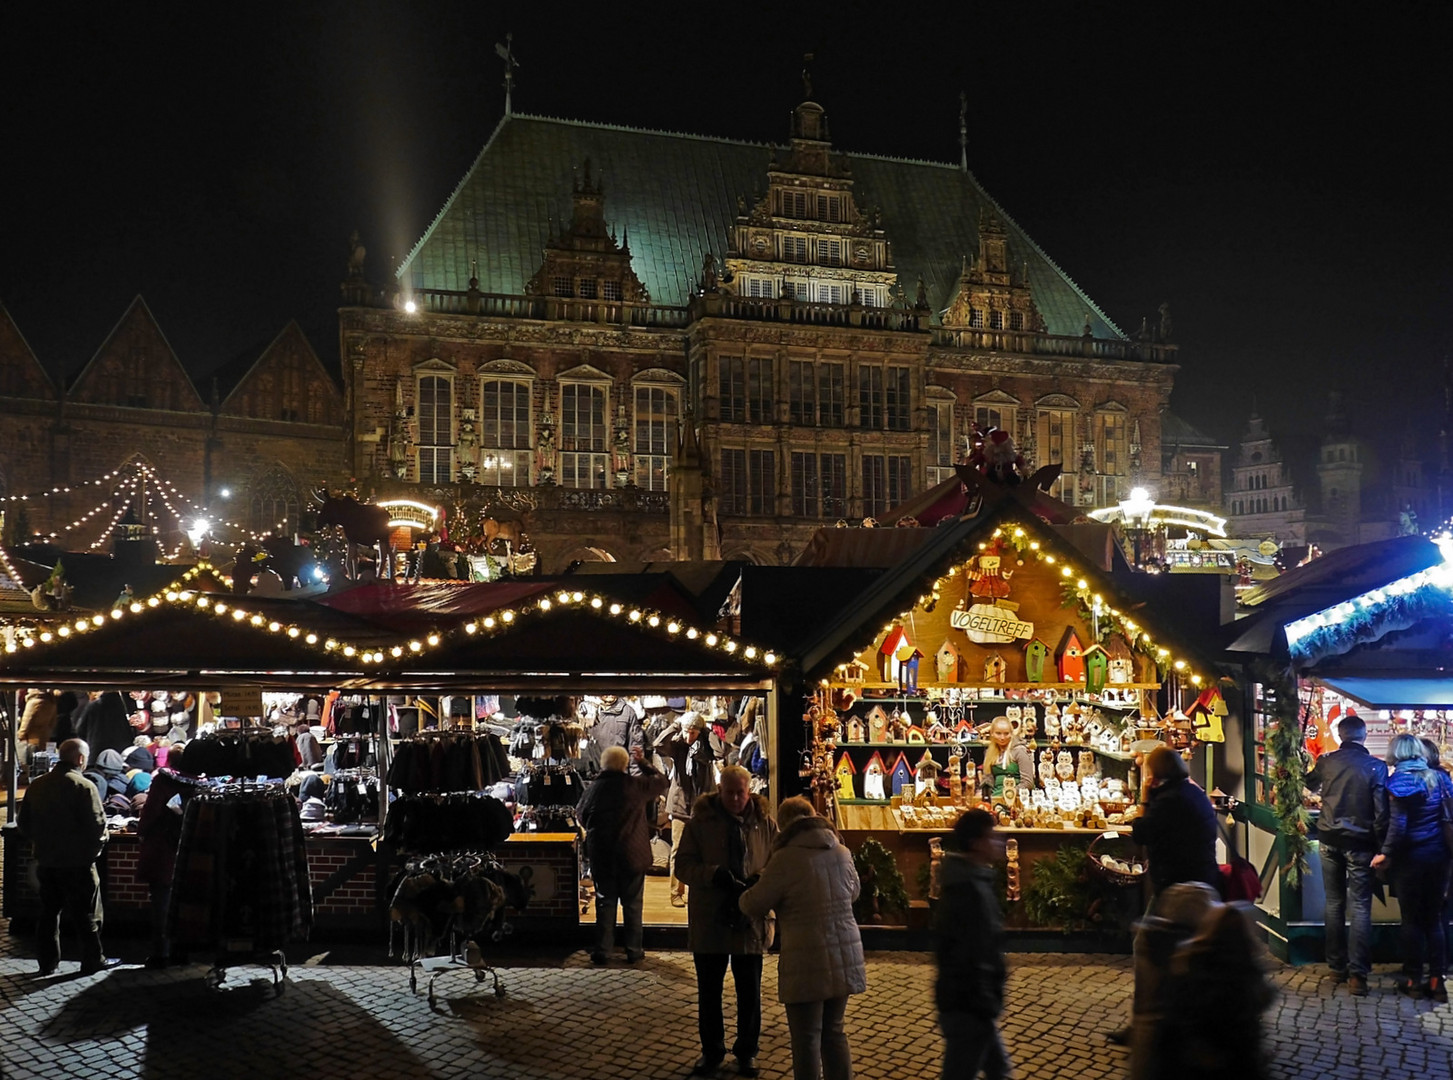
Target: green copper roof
[(676, 197)]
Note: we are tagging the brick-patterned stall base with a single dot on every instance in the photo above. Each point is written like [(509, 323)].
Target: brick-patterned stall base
[(343, 871)]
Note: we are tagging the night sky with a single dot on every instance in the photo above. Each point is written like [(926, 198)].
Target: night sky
[(1278, 173)]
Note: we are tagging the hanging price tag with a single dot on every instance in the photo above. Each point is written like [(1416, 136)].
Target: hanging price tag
[(547, 779)]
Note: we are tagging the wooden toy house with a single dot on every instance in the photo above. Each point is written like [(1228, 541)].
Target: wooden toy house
[(1097, 668), (1069, 658), (1036, 654)]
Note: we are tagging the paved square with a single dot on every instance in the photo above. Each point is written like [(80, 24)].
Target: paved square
[(565, 1018)]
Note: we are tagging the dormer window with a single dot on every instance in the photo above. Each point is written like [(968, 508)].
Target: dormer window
[(610, 290), (976, 318), (996, 320), (794, 249), (1016, 320), (561, 286), (794, 204), (829, 208), (589, 288)]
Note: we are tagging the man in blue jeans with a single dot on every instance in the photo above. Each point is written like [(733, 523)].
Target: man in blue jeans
[(1350, 829)]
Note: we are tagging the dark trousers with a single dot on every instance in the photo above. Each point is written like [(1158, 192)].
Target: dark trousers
[(630, 892), (1420, 887), (971, 1045), (75, 890), (1347, 881), (710, 977)]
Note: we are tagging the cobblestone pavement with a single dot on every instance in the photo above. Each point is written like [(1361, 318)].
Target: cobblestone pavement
[(349, 1014)]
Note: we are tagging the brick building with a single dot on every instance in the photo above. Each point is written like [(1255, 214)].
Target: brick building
[(651, 345), (266, 429)]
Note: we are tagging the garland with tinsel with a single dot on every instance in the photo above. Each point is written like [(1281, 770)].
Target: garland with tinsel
[(1288, 761), (1080, 601), (1371, 623)]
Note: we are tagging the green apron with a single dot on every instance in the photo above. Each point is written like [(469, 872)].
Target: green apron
[(999, 772)]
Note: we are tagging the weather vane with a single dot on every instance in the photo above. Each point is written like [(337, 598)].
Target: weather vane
[(507, 54)]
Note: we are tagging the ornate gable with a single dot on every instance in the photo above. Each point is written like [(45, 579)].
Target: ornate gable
[(135, 368), (287, 383), (21, 374), (988, 296), (808, 238), (585, 261)]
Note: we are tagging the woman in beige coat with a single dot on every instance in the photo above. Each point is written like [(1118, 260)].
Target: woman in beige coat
[(811, 883)]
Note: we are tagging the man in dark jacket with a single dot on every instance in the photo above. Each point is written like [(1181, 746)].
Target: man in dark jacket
[(613, 811), (61, 817), (969, 927), (723, 848), (1350, 829), (1177, 827), (616, 724)]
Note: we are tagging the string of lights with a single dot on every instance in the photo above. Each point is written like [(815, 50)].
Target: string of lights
[(500, 622), (1138, 637)]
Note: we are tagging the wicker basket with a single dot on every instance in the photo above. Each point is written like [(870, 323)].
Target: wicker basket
[(1116, 846)]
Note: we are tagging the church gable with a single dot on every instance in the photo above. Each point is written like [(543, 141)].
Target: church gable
[(135, 368), (286, 383), (21, 374)]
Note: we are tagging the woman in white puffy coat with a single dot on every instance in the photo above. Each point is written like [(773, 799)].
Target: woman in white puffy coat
[(810, 882)]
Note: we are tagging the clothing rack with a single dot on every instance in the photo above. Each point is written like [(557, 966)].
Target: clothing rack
[(241, 884), (460, 897)]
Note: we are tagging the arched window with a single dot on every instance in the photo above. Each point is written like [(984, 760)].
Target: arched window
[(273, 502)]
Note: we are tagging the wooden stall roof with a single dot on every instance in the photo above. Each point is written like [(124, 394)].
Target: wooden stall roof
[(898, 589), (180, 642)]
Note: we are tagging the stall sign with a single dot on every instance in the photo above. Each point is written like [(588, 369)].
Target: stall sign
[(990, 624)]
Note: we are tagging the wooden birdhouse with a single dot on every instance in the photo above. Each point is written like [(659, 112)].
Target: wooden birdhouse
[(857, 731), (1122, 661), (965, 732), (901, 775), (1036, 653), (908, 671), (926, 774), (994, 668), (915, 734), (1206, 715), (875, 774), (845, 774), (946, 663), (1097, 668), (1069, 657), (877, 725), (856, 673), (896, 644)]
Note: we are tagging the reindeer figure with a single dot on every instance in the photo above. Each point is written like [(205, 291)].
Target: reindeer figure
[(364, 525)]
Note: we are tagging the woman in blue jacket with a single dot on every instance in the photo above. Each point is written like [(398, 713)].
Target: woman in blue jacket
[(1419, 861)]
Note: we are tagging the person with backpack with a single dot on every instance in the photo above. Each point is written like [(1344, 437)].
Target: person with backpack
[(1416, 852)]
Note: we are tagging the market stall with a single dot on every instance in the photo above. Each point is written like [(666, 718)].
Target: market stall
[(997, 665), (1366, 630), (397, 667)]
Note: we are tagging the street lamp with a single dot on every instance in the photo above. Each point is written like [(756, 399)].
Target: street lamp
[(1135, 511)]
